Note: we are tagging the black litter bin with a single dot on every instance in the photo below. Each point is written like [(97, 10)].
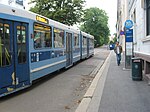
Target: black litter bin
[(136, 69)]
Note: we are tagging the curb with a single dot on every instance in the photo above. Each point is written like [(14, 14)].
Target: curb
[(95, 71), (84, 105)]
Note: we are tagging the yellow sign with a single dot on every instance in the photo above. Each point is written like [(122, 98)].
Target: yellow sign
[(41, 19)]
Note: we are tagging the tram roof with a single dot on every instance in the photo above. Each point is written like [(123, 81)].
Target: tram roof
[(30, 15), (87, 35), (6, 9)]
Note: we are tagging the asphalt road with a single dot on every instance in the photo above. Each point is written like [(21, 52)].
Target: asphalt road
[(58, 92)]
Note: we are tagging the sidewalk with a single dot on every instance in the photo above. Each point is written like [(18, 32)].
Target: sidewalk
[(113, 90)]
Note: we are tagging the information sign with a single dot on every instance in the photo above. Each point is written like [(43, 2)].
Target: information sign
[(129, 35), (128, 24), (129, 48)]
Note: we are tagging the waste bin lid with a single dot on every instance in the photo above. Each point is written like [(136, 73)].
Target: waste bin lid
[(136, 58)]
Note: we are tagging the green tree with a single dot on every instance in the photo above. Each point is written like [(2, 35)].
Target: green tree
[(95, 22), (68, 12), (114, 39)]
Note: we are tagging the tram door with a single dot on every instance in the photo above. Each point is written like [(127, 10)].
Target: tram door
[(21, 54), (13, 55), (69, 50), (88, 47)]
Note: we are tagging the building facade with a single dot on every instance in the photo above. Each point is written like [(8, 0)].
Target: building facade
[(15, 3), (139, 12), (122, 16)]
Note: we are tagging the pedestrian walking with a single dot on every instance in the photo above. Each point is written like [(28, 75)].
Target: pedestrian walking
[(118, 51)]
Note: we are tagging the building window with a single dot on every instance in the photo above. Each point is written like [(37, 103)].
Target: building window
[(148, 16), (134, 16)]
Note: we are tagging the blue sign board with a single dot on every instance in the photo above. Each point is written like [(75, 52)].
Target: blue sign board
[(128, 24), (129, 35), (121, 32)]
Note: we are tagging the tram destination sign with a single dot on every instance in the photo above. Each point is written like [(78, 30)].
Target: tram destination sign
[(41, 19)]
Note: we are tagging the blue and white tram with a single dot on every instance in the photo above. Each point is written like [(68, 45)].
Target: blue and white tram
[(32, 46), (76, 45), (90, 45), (87, 45)]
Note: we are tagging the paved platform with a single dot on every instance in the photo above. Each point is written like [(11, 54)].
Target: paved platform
[(115, 91)]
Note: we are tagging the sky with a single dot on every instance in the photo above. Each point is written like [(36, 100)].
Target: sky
[(110, 6)]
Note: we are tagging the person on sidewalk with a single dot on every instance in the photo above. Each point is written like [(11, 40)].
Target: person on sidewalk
[(118, 51)]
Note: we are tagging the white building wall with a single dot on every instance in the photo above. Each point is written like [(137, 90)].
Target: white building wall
[(140, 34), (14, 4), (141, 43), (141, 39), (123, 8)]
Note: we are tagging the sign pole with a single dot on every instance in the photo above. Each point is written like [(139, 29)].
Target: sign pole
[(128, 43)]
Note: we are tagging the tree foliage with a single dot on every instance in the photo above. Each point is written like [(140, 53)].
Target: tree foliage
[(95, 22), (65, 11), (114, 39)]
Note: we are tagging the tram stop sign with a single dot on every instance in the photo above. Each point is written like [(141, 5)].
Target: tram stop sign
[(128, 43), (128, 24)]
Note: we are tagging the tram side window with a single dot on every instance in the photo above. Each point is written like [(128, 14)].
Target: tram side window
[(58, 38), (5, 51), (76, 40), (84, 41), (21, 44), (42, 36), (91, 42)]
